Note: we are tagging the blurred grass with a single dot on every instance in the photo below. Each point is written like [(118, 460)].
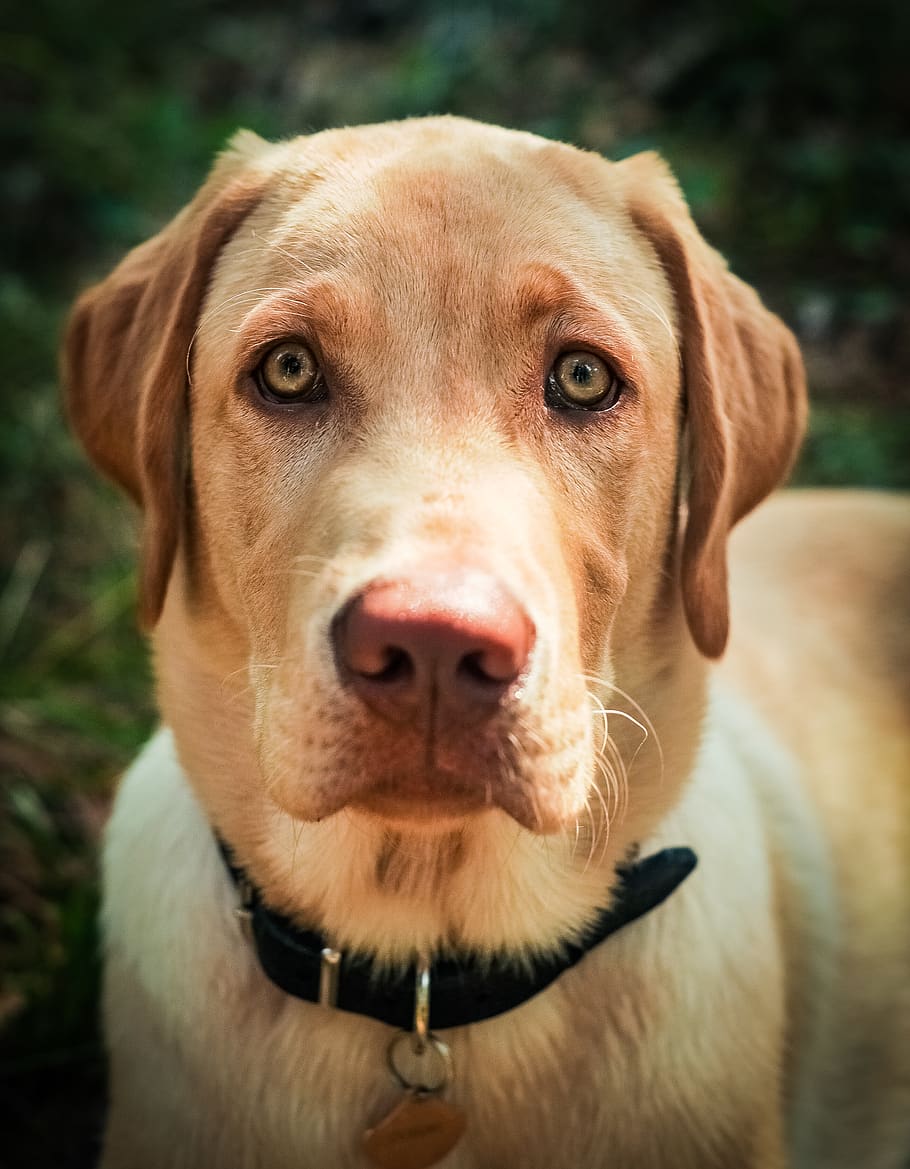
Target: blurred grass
[(787, 124)]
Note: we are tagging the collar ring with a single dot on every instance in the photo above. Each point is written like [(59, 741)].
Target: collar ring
[(427, 1072), (422, 1003)]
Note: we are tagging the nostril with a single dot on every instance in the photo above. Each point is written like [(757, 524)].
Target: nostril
[(397, 667), (487, 668), (365, 647), (471, 667)]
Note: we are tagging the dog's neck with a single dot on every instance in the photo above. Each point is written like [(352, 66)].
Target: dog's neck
[(459, 990)]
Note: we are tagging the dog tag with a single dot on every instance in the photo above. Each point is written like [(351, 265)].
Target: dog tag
[(418, 1132)]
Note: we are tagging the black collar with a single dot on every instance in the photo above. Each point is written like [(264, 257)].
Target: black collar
[(464, 990)]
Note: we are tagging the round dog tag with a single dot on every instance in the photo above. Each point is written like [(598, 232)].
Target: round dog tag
[(418, 1132)]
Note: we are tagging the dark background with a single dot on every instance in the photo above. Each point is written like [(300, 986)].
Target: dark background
[(787, 124)]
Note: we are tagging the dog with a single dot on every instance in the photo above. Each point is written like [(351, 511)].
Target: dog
[(459, 843)]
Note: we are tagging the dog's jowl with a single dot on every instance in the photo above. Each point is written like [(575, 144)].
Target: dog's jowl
[(509, 807)]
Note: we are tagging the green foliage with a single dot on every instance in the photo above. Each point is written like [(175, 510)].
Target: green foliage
[(853, 444)]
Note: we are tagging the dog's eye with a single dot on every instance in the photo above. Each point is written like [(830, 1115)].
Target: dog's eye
[(582, 381), (289, 373)]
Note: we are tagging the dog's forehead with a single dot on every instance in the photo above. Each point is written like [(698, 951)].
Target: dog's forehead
[(398, 232), (441, 199)]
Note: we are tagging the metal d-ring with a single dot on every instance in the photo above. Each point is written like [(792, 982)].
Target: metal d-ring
[(423, 1043)]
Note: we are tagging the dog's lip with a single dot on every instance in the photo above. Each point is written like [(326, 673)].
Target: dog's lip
[(440, 798), (444, 799)]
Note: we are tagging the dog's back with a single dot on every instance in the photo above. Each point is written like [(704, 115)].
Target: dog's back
[(821, 647)]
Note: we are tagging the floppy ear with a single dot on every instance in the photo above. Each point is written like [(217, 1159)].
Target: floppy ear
[(126, 357), (744, 386)]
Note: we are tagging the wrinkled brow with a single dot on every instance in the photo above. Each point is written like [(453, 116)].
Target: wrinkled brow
[(319, 310), (544, 289), (548, 295)]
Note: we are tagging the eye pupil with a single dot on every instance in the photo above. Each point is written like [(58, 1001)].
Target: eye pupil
[(290, 365), (582, 373)]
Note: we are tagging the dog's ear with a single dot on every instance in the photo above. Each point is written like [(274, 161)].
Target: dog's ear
[(744, 386), (126, 358)]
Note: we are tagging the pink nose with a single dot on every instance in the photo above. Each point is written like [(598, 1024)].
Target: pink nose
[(455, 638)]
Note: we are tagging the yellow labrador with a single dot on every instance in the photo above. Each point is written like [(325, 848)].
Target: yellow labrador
[(439, 432)]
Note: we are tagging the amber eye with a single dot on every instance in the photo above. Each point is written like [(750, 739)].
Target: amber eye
[(289, 373), (582, 381)]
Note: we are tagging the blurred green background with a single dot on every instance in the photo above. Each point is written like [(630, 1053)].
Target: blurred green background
[(787, 123)]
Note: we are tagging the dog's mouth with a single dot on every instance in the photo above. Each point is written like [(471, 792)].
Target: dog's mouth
[(435, 799), (427, 800), (441, 800), (514, 766)]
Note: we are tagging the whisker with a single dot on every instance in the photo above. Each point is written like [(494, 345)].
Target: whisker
[(603, 712), (640, 710), (654, 308), (598, 826), (577, 835), (212, 315), (312, 556), (620, 771), (298, 833), (295, 260)]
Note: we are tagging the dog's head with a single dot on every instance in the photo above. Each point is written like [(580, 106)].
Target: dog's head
[(439, 431)]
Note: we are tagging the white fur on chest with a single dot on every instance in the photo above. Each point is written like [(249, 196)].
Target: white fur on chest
[(611, 1065)]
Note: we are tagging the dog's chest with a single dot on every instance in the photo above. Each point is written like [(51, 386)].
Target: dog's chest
[(540, 1087), (610, 1065), (267, 1082)]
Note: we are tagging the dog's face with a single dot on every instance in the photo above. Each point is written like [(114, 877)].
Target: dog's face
[(404, 406), (433, 472)]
